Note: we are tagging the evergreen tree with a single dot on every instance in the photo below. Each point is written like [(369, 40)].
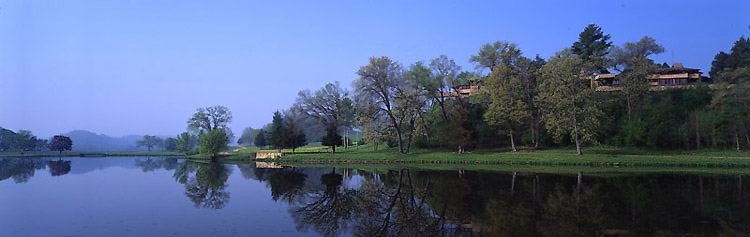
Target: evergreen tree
[(260, 139), (332, 138), (592, 46)]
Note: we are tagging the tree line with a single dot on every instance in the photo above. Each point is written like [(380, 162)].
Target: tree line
[(537, 102)]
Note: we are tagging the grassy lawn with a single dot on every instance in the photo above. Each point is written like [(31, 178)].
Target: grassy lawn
[(594, 155)]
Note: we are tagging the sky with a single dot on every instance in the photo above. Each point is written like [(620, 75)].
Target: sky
[(143, 67)]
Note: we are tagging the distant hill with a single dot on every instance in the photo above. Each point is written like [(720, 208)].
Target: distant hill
[(88, 141)]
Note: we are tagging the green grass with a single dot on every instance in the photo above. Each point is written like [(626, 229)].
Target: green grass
[(593, 156), (88, 153)]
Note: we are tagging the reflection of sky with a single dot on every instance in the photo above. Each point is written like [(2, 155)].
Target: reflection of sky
[(110, 196)]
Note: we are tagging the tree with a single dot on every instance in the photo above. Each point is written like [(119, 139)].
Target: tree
[(491, 55), (634, 81), (60, 143), (325, 105), (332, 138), (278, 131), (170, 144), (185, 142), (565, 97), (260, 139), (592, 47), (295, 136), (624, 56), (149, 142), (444, 75), (211, 118), (23, 141), (738, 57), (247, 136), (381, 81), (212, 142), (507, 108)]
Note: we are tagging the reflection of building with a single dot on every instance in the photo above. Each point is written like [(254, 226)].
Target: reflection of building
[(675, 76), (474, 86)]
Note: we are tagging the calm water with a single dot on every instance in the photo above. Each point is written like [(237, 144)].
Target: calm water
[(138, 196)]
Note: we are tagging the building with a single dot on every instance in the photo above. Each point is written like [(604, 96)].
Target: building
[(474, 86), (672, 77)]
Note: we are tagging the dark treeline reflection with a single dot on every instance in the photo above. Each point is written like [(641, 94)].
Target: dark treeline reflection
[(426, 203), (409, 202), (21, 170)]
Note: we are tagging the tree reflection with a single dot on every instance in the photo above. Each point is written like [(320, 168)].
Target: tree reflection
[(207, 189), (286, 185), (21, 170), (58, 167), (149, 164), (327, 211)]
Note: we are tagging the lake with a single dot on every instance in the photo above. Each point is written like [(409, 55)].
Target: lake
[(140, 196)]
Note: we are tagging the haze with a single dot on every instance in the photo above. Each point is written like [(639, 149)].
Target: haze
[(143, 67)]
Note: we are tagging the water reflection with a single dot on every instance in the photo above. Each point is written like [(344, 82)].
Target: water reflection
[(23, 169), (414, 202), (58, 167), (207, 189)]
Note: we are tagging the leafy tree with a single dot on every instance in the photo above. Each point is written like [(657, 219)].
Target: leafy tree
[(444, 75), (332, 138), (565, 98), (260, 139), (592, 46), (491, 55), (185, 142), (211, 118), (325, 104), (170, 144), (149, 142), (24, 141), (60, 143), (623, 56), (212, 142), (507, 108), (635, 86), (380, 81)]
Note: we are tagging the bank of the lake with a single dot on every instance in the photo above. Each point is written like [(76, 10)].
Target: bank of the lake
[(593, 156), (31, 154)]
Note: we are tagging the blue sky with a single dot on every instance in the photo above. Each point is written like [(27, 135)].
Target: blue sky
[(143, 67)]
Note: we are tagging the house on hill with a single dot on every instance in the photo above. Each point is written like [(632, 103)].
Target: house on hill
[(673, 77)]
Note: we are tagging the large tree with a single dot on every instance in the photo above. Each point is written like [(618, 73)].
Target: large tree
[(491, 55), (632, 60), (507, 108), (278, 131), (211, 118), (592, 46), (149, 142), (622, 57), (564, 94), (60, 143), (324, 104), (444, 76), (212, 142), (381, 81)]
